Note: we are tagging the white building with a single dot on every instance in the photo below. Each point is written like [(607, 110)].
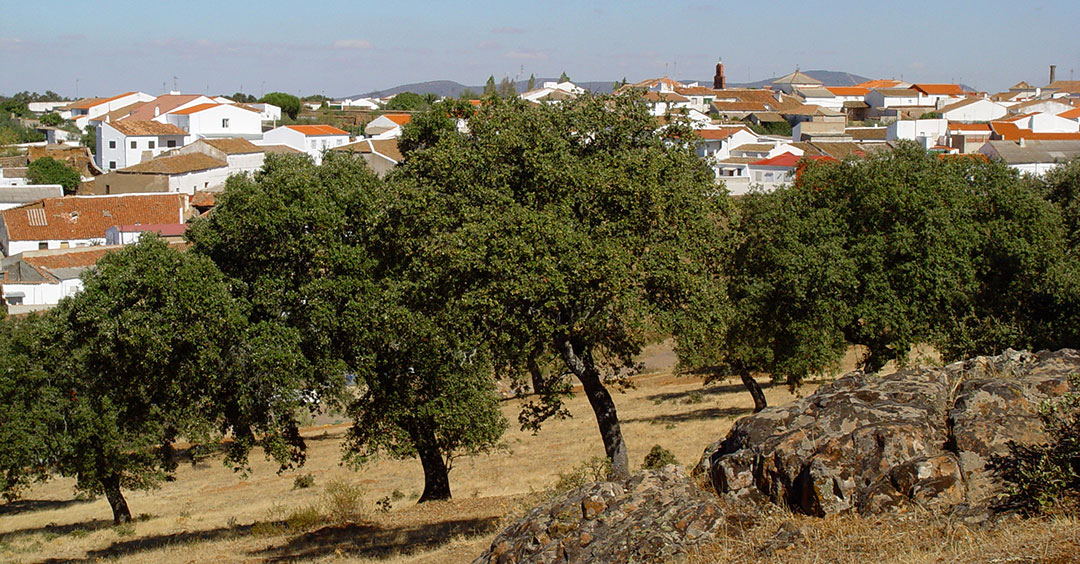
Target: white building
[(129, 234), (239, 154), (38, 280), (128, 142), (310, 139), (1032, 157), (267, 112), (553, 92), (218, 120), (356, 104), (15, 196), (926, 132), (81, 221), (83, 111), (386, 126), (971, 110), (185, 174)]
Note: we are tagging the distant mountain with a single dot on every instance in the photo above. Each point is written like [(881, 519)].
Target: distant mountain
[(449, 88)]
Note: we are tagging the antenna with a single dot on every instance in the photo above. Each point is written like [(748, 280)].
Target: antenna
[(76, 88), (174, 82)]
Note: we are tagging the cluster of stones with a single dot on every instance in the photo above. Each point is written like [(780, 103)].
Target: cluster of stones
[(863, 443), (654, 516)]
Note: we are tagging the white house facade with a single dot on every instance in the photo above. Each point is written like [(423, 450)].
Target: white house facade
[(126, 143), (310, 139)]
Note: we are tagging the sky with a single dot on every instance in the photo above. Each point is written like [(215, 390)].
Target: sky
[(340, 47)]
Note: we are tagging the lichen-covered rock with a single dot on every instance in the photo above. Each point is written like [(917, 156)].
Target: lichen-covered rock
[(872, 444), (655, 516)]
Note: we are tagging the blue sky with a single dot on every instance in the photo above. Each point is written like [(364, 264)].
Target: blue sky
[(339, 47)]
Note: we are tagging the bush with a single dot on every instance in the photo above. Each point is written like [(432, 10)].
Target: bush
[(595, 469), (303, 481), (341, 500), (658, 458), (1044, 477), (304, 518), (48, 170)]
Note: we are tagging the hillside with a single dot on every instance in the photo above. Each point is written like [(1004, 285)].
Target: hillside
[(449, 88)]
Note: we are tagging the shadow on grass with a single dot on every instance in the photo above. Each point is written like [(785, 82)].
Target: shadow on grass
[(31, 505), (716, 390), (86, 526), (698, 414), (375, 542), (145, 544)]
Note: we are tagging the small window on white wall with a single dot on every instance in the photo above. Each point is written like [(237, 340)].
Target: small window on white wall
[(151, 144), (225, 123), (170, 143), (112, 144), (132, 144)]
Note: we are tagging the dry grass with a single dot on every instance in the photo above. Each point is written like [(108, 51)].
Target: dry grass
[(912, 538), (210, 514)]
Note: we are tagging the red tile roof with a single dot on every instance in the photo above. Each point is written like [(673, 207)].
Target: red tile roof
[(719, 133), (1011, 132), (939, 89), (1070, 114), (313, 130), (177, 164), (980, 127), (91, 102), (789, 160), (138, 128), (195, 109), (87, 217), (400, 119), (886, 83), (164, 104), (848, 90)]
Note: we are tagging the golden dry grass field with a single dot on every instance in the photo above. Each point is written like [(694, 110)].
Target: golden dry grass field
[(210, 514)]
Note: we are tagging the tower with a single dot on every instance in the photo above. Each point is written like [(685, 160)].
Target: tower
[(718, 81)]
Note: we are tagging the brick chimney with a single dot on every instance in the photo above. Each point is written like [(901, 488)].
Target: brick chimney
[(718, 81), (1053, 71)]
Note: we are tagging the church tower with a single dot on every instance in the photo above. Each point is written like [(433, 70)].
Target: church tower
[(718, 81)]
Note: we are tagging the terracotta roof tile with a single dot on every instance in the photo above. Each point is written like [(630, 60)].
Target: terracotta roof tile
[(196, 109), (881, 83), (939, 89), (178, 164), (1011, 132), (87, 217), (400, 119), (975, 127), (848, 90), (87, 103), (788, 160), (233, 145), (386, 147), (314, 130), (136, 127), (717, 134), (164, 104), (1070, 114)]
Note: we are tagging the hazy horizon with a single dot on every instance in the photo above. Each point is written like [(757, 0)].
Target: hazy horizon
[(344, 48)]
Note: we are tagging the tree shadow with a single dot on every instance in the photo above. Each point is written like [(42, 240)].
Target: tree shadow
[(699, 414), (712, 390), (371, 541), (88, 526), (144, 544), (32, 505)]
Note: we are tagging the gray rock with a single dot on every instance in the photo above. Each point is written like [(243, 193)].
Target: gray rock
[(655, 516), (874, 444)]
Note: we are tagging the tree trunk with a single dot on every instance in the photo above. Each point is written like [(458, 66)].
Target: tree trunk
[(120, 511), (537, 375), (754, 388), (581, 364), (436, 474)]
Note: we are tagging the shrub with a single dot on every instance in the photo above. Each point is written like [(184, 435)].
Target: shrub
[(1042, 477), (658, 458), (303, 481), (342, 501), (595, 469), (304, 518)]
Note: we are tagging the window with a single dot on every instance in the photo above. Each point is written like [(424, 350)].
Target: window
[(112, 164), (65, 245), (170, 143), (132, 144), (14, 300), (225, 123), (151, 144), (112, 144), (43, 246)]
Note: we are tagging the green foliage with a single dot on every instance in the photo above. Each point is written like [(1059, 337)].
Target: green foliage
[(155, 347), (507, 88), (489, 87), (89, 138), (242, 98), (304, 518), (1042, 477), (13, 131), (30, 402), (48, 170), (595, 469), (576, 229), (51, 119), (532, 83), (1061, 186), (410, 101), (658, 458), (342, 501), (289, 104), (564, 77), (781, 128), (892, 250), (303, 481), (469, 94)]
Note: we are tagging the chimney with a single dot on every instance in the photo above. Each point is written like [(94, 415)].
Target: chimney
[(1022, 142), (718, 81), (1053, 71), (157, 111)]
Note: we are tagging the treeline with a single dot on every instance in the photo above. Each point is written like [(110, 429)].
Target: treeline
[(540, 244)]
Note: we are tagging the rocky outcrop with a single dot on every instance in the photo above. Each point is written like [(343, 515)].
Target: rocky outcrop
[(877, 443), (655, 516)]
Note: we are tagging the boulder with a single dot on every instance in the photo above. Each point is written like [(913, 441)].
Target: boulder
[(871, 444), (655, 516)]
